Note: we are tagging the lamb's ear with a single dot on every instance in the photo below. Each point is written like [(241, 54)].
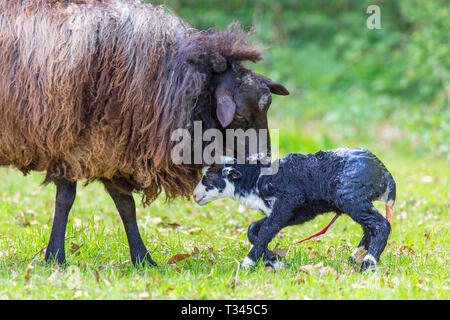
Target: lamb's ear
[(225, 106), (231, 173)]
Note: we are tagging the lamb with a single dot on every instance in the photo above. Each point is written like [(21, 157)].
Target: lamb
[(92, 90), (342, 180)]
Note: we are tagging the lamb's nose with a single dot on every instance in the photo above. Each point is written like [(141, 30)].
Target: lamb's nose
[(195, 197)]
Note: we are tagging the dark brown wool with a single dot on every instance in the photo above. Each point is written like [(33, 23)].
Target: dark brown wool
[(94, 89)]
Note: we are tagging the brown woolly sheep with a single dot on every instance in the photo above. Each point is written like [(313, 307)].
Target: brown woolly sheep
[(92, 90)]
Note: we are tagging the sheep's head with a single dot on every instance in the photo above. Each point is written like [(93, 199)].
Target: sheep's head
[(243, 98)]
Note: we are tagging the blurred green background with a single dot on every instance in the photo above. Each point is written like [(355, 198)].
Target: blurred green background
[(386, 89)]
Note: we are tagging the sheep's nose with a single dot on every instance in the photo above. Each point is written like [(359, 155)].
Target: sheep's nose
[(195, 197)]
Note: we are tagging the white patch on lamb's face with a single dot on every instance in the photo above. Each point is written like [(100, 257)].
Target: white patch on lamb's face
[(203, 196)]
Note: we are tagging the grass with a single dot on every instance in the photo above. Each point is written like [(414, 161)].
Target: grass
[(414, 264)]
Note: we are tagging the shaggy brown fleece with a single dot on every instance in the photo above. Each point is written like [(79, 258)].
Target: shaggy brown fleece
[(93, 89)]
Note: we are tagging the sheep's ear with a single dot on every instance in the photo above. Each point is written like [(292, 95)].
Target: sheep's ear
[(274, 87), (277, 88), (225, 106), (231, 173)]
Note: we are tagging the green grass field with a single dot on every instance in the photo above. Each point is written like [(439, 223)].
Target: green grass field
[(414, 264), (387, 90)]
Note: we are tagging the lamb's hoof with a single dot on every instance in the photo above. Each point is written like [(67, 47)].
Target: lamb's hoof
[(247, 263), (368, 265), (277, 264), (352, 260)]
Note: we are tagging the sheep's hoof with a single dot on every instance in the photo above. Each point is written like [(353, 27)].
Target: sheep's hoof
[(145, 262), (277, 264)]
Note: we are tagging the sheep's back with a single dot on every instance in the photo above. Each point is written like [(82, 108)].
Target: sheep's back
[(76, 79)]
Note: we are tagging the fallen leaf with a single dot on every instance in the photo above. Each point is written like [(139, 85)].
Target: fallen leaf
[(269, 269), (74, 247), (173, 265), (173, 225), (28, 273), (97, 276), (298, 281), (194, 230), (278, 252), (326, 270), (310, 267), (211, 250), (178, 257)]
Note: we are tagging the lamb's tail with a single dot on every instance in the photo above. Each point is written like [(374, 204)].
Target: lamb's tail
[(389, 198)]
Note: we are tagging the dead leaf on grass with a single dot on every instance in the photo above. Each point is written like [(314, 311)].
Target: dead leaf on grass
[(326, 270), (298, 281), (269, 269), (195, 230), (74, 247), (178, 257), (97, 276), (278, 252)]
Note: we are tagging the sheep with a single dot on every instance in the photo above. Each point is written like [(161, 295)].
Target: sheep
[(343, 180), (92, 90)]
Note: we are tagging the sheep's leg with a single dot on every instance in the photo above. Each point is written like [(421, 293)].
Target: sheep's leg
[(65, 196), (363, 245), (378, 228), (127, 210)]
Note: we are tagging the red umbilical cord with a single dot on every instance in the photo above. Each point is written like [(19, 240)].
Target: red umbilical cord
[(321, 232)]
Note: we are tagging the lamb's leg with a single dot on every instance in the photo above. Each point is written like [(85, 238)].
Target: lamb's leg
[(253, 230), (252, 235), (65, 196), (363, 245), (268, 229), (378, 230), (125, 205)]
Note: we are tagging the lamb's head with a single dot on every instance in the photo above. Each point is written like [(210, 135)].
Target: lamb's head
[(217, 182)]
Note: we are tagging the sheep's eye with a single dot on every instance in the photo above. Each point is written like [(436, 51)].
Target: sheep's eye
[(240, 118)]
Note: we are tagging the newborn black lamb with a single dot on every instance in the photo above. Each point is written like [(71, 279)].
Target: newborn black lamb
[(343, 180)]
